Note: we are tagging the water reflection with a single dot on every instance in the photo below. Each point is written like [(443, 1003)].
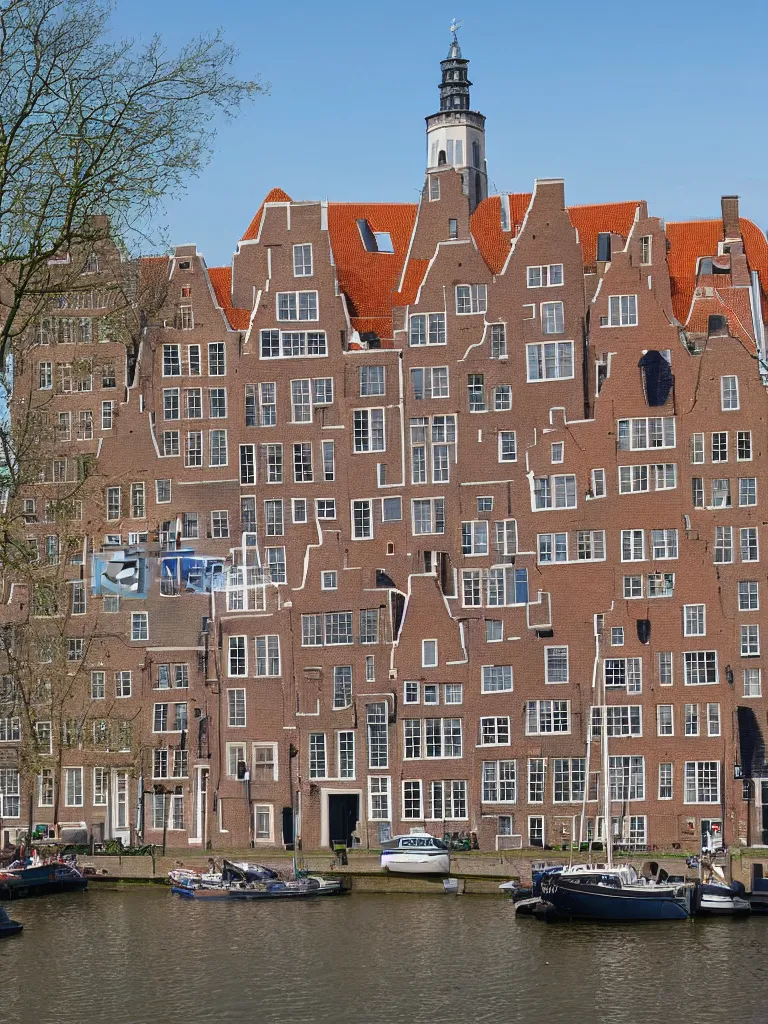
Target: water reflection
[(144, 956)]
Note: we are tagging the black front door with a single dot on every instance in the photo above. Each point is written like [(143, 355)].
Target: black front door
[(343, 816), (764, 823)]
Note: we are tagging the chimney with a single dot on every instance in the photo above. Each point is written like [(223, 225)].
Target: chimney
[(730, 208)]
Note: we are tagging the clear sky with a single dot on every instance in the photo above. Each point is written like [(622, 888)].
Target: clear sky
[(663, 100)]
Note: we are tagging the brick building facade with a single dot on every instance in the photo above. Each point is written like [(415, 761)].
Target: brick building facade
[(416, 515)]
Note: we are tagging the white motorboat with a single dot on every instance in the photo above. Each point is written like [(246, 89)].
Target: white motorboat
[(417, 853)]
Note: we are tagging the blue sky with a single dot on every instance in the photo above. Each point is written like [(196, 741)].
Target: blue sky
[(663, 101)]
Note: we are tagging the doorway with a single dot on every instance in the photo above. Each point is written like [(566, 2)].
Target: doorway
[(764, 812), (711, 834), (343, 817)]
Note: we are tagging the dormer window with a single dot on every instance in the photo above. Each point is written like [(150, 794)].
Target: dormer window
[(91, 264), (374, 241)]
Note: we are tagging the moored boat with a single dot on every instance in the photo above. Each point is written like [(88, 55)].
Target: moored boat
[(41, 880), (7, 926), (417, 853), (720, 898), (600, 892)]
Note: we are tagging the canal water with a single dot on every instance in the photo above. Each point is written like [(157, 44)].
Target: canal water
[(144, 956)]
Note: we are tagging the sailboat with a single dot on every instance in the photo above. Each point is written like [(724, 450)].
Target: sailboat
[(607, 892)]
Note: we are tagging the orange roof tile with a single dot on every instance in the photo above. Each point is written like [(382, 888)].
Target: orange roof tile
[(590, 221), (369, 278), (275, 195), (733, 303), (221, 279), (414, 275), (688, 241), (485, 225)]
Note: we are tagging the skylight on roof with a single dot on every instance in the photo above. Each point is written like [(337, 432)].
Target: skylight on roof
[(383, 241), (374, 241)]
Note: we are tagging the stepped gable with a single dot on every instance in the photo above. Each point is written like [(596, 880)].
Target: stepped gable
[(275, 195), (368, 279), (221, 281)]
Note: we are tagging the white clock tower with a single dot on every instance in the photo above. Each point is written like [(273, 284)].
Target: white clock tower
[(456, 135)]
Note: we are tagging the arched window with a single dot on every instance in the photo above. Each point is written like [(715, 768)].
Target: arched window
[(441, 158)]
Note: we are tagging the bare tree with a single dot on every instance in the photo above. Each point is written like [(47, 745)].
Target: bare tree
[(94, 135)]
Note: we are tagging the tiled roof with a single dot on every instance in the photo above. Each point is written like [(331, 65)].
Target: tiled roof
[(369, 278), (690, 240), (590, 221), (733, 304), (485, 225), (414, 275), (221, 279), (687, 242), (276, 195)]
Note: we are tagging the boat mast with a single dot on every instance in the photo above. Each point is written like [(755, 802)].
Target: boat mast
[(585, 793), (604, 768)]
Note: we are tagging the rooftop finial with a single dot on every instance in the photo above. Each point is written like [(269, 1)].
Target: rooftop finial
[(455, 49)]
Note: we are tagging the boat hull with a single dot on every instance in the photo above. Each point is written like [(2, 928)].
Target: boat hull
[(598, 903), (720, 899), (400, 863), (40, 881)]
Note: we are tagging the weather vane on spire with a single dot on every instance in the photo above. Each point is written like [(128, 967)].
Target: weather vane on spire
[(455, 26)]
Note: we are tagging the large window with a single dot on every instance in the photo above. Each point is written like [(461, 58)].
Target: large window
[(546, 716), (550, 360), (499, 779), (297, 306), (471, 298), (702, 782), (427, 329), (622, 311)]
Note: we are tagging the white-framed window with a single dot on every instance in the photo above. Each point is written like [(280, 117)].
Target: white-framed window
[(753, 686), (568, 779), (122, 684), (302, 260), (346, 754), (720, 446), (748, 544), (474, 537), (220, 524), (646, 248), (496, 678), (373, 381), (557, 491), (556, 664), (263, 830), (557, 452), (236, 708), (329, 579), (429, 655), (292, 344), (379, 797), (499, 782), (622, 311), (700, 668), (342, 686), (552, 547), (429, 382), (547, 276), (597, 479), (723, 545), (729, 393), (217, 448), (552, 318), (494, 630), (663, 544), (412, 802), (428, 516), (744, 446), (750, 640), (238, 656), (702, 782), (535, 830), (633, 545), (368, 430), (536, 778), (694, 620), (267, 655), (297, 305), (551, 360), (713, 719), (747, 490), (318, 761), (498, 341), (547, 716), (471, 298), (665, 722), (623, 674), (665, 780), (691, 718), (426, 329), (376, 719), (626, 777), (494, 731), (646, 432), (748, 596), (507, 446), (362, 519), (139, 625), (73, 788)]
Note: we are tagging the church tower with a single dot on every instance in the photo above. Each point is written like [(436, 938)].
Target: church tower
[(456, 135)]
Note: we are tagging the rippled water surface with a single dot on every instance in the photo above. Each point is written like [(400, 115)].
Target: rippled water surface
[(143, 955)]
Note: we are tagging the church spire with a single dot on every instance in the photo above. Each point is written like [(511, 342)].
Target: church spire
[(456, 134)]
